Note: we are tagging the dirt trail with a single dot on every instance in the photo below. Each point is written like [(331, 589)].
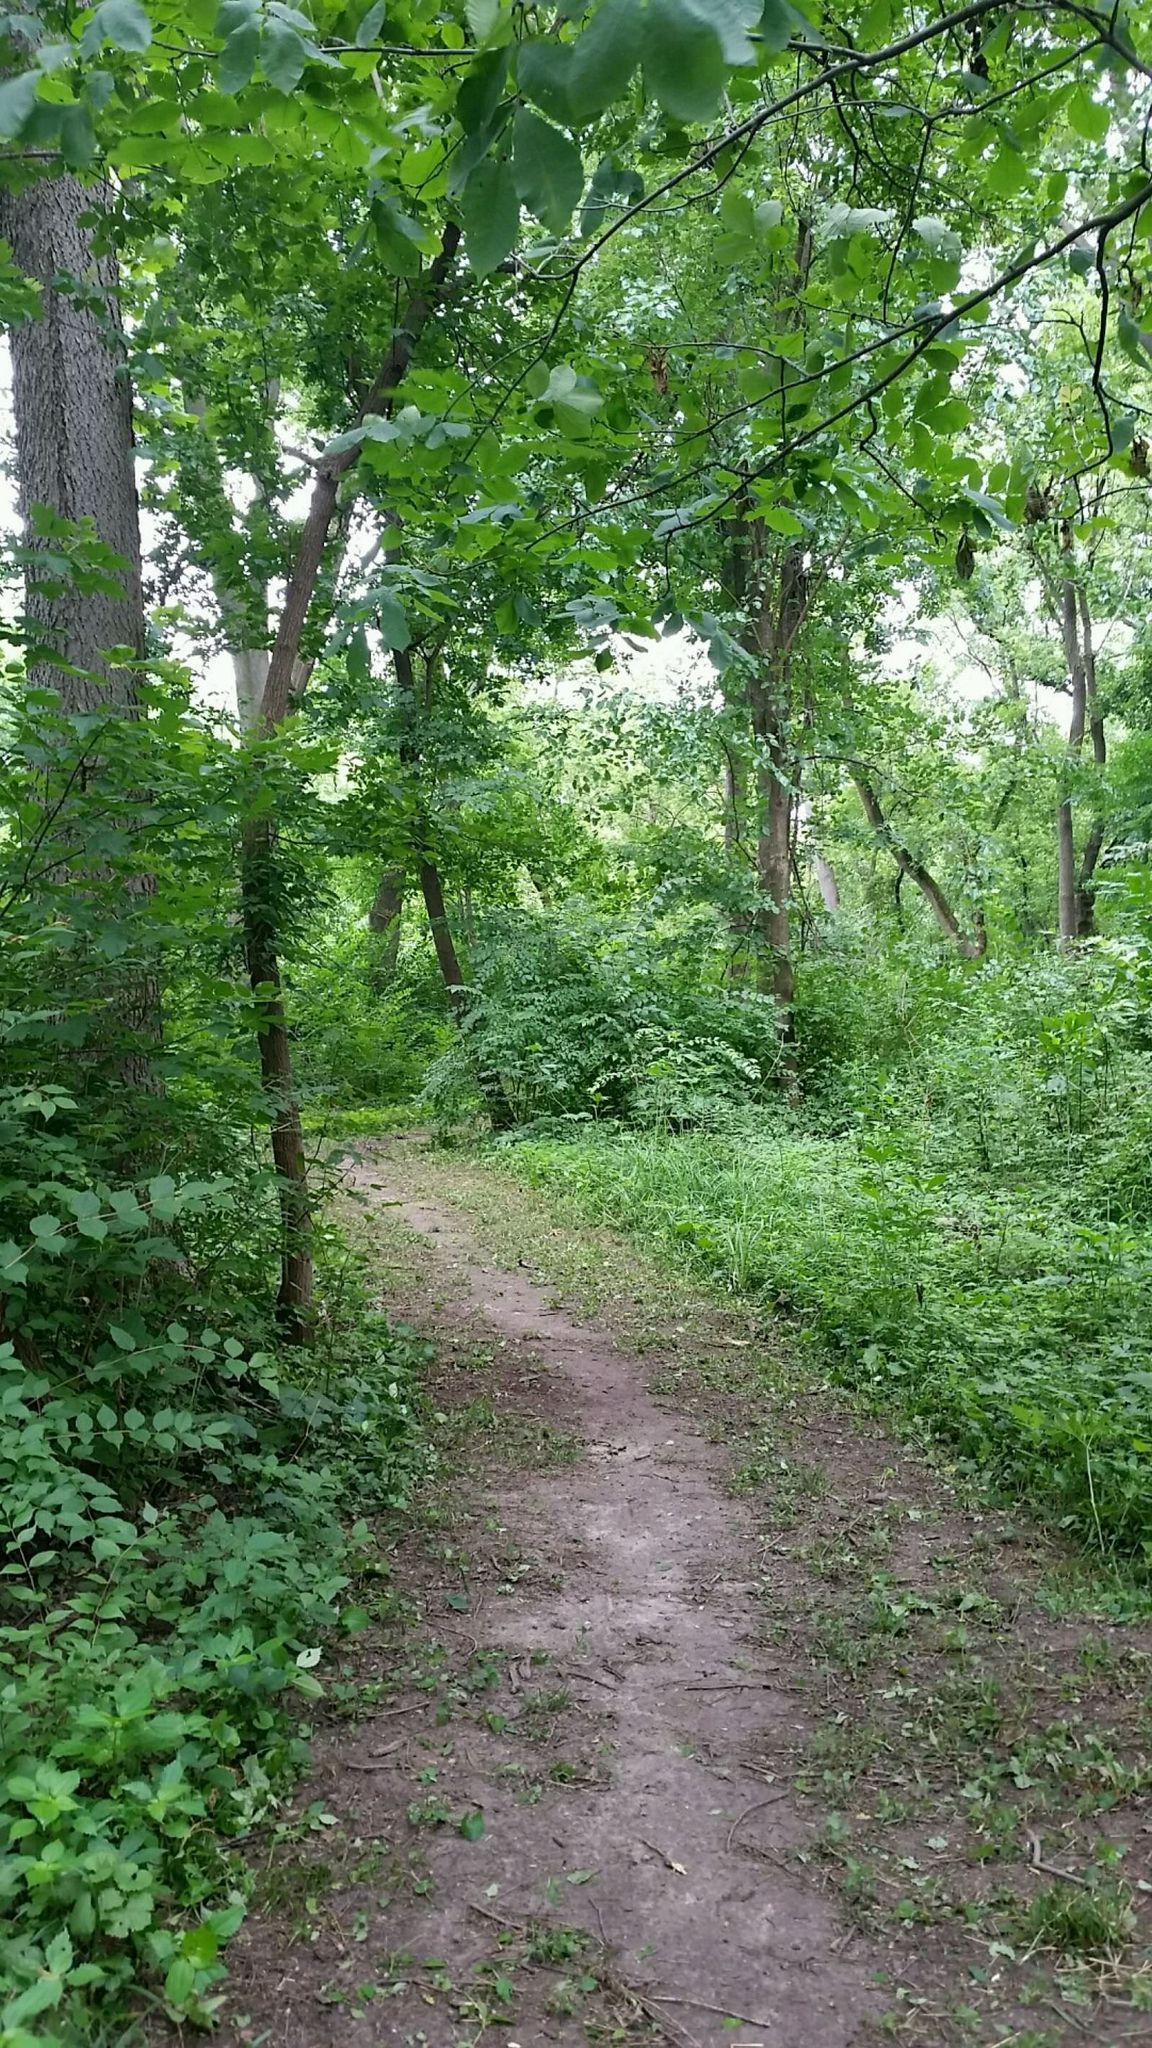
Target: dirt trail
[(573, 1815)]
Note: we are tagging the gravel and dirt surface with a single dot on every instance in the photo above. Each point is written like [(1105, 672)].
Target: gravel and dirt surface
[(696, 1710)]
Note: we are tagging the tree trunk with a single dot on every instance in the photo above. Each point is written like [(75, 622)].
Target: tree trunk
[(72, 402), (779, 614), (739, 924), (973, 945), (286, 677), (73, 407), (829, 886), (1094, 844), (384, 920), (1067, 879)]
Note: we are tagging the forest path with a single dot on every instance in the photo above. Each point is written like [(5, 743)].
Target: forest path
[(609, 1767)]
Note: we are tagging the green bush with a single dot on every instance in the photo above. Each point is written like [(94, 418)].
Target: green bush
[(175, 1489)]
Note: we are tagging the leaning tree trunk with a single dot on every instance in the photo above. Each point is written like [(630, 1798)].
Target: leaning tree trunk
[(72, 401), (970, 945)]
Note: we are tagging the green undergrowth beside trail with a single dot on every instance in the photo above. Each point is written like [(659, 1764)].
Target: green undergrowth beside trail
[(187, 1527), (994, 1313)]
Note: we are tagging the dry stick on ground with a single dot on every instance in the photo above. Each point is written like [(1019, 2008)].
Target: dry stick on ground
[(258, 841), (757, 1806)]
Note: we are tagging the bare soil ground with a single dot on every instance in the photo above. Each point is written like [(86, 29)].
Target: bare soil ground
[(698, 1710)]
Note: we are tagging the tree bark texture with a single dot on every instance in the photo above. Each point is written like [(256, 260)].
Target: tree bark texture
[(73, 406), (384, 922)]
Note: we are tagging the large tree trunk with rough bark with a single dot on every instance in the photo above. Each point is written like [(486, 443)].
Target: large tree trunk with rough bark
[(72, 401)]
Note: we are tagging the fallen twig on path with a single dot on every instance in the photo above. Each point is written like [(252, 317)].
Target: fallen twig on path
[(773, 1799)]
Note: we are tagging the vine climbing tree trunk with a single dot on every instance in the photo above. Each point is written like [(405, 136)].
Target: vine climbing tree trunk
[(1067, 877)]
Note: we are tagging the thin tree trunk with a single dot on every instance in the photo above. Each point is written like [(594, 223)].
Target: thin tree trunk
[(1094, 844), (971, 945), (282, 686), (826, 878), (739, 924), (780, 613), (1067, 879)]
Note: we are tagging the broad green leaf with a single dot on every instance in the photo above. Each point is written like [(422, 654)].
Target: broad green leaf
[(472, 1827), (543, 74), (604, 58), (283, 55), (481, 90), (547, 170), (237, 60), (778, 24), (685, 68), (397, 237), (77, 137), (1087, 117), (393, 621), (371, 25), (17, 99), (875, 26), (491, 212), (123, 23)]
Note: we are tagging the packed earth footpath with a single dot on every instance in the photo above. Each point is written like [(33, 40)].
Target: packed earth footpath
[(697, 1711)]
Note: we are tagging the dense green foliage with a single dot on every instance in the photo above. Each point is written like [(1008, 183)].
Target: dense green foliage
[(663, 483), (959, 1218)]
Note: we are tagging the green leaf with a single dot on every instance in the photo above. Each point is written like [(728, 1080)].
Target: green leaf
[(547, 170), (480, 91), (200, 1945), (393, 621), (778, 24), (543, 74), (123, 1339), (1087, 117), (77, 137), (397, 237), (371, 25), (123, 23), (491, 213), (17, 99), (283, 55), (875, 26), (1007, 172), (604, 58), (237, 60), (472, 1827), (685, 67)]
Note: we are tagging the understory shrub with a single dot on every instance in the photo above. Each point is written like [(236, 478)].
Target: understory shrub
[(179, 1492)]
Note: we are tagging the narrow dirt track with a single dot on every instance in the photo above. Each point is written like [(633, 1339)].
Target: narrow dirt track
[(660, 1848), (566, 1810)]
